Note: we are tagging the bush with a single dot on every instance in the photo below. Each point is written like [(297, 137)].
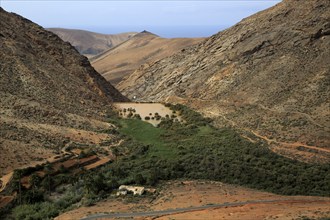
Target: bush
[(139, 179), (37, 211), (137, 116), (33, 196)]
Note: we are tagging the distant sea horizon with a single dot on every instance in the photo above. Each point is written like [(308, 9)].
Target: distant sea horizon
[(194, 31)]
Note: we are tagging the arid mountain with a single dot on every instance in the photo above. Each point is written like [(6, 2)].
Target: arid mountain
[(144, 47), (49, 94), (269, 75), (90, 43)]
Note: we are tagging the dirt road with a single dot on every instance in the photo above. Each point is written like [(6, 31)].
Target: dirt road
[(196, 208)]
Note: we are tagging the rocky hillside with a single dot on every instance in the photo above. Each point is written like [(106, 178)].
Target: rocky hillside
[(119, 62), (47, 90), (90, 43), (269, 75)]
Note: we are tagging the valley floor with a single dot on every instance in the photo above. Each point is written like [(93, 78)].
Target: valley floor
[(184, 194)]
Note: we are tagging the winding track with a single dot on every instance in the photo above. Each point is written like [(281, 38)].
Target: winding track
[(269, 141), (196, 208)]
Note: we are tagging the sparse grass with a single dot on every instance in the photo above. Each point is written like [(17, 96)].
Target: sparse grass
[(205, 130), (147, 134)]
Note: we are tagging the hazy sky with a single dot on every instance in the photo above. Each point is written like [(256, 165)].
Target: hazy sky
[(167, 18)]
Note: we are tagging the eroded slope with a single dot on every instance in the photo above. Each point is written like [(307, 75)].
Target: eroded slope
[(44, 82), (91, 43), (268, 74), (145, 47)]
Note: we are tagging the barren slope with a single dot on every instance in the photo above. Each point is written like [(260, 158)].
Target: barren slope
[(91, 43), (176, 194), (268, 74), (144, 47), (46, 86)]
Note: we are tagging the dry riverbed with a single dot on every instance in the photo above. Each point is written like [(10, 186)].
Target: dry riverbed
[(150, 110)]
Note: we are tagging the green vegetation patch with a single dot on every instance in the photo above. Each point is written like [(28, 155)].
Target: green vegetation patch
[(193, 149), (149, 136), (197, 150)]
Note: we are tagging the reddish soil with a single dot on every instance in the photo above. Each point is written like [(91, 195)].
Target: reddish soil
[(176, 194), (25, 181), (5, 200), (97, 164), (5, 180), (294, 145), (285, 210), (17, 155)]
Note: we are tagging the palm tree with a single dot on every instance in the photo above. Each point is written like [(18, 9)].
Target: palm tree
[(34, 181), (17, 185), (48, 169), (115, 152)]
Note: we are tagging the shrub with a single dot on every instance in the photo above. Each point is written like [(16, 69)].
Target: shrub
[(40, 211), (137, 116), (139, 179)]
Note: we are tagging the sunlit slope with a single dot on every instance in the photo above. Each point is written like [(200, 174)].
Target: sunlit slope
[(143, 48)]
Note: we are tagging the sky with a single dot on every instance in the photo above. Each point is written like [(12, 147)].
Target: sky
[(167, 18)]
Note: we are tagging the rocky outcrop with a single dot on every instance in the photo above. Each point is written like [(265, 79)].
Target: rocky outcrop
[(269, 73)]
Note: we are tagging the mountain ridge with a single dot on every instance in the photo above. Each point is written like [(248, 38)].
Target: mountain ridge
[(269, 73), (49, 94), (121, 60), (91, 43)]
